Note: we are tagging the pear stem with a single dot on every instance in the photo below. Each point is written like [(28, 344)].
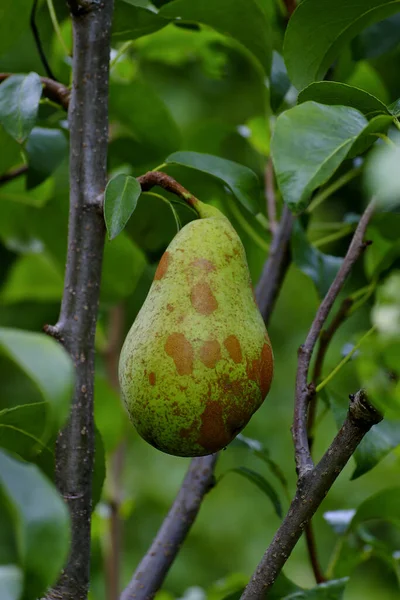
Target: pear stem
[(168, 183)]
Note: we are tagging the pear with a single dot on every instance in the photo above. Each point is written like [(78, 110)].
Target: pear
[(197, 362)]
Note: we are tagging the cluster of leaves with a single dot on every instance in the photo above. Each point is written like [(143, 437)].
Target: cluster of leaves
[(210, 90)]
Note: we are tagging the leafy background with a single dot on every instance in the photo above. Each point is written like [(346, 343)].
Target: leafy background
[(213, 85)]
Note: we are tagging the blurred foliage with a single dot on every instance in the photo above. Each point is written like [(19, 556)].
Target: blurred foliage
[(191, 90)]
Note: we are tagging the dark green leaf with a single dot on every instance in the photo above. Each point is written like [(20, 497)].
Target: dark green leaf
[(256, 448), (309, 143), (120, 200), (46, 363), (22, 428), (321, 268), (377, 444), (19, 104), (240, 180), (131, 21), (262, 484), (46, 149), (10, 152), (109, 413), (243, 20), (282, 588), (11, 582), (123, 265), (372, 579), (331, 590), (383, 505), (377, 39), (145, 116), (322, 28), (279, 81), (332, 92), (41, 521), (14, 19), (369, 135)]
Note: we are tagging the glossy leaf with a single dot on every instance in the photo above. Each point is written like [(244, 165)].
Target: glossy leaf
[(262, 484), (41, 521), (309, 143), (378, 39), (131, 21), (321, 268), (120, 200), (11, 582), (46, 363), (242, 182), (322, 28), (333, 92), (279, 82), (46, 149), (19, 104), (243, 20)]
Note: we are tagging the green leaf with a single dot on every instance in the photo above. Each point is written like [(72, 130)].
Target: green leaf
[(14, 19), (383, 505), (262, 484), (11, 582), (321, 268), (282, 588), (256, 448), (243, 20), (19, 104), (46, 149), (321, 28), (33, 277), (47, 364), (309, 143), (109, 413), (10, 151), (331, 590), (22, 427), (131, 21), (123, 265), (369, 135), (378, 39), (332, 92), (120, 200), (242, 182), (41, 523), (140, 110), (279, 81)]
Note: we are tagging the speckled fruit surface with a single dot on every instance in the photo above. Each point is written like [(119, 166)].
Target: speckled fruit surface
[(197, 362)]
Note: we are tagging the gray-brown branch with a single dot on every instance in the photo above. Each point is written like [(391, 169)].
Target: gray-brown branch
[(88, 121), (304, 392), (311, 491), (199, 478)]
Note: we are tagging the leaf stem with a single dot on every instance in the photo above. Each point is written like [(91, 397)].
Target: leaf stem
[(331, 189), (119, 53), (345, 360), (170, 204), (56, 26)]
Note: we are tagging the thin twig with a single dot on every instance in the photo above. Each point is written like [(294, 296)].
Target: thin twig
[(14, 174), (270, 196), (304, 392), (199, 478), (311, 491), (53, 90), (88, 121), (275, 267), (38, 41)]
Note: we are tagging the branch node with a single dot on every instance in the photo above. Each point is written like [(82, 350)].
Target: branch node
[(54, 331)]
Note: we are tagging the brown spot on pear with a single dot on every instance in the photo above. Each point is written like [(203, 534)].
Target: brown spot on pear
[(210, 353), (162, 266), (181, 351), (202, 299), (232, 344)]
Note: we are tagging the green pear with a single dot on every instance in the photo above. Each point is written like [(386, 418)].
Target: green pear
[(197, 362)]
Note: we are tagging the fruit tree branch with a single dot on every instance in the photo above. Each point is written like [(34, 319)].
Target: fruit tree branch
[(304, 391), (311, 491), (88, 122), (275, 267), (53, 90), (199, 478)]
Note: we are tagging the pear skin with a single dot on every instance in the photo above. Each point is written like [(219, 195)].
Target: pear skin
[(197, 362)]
